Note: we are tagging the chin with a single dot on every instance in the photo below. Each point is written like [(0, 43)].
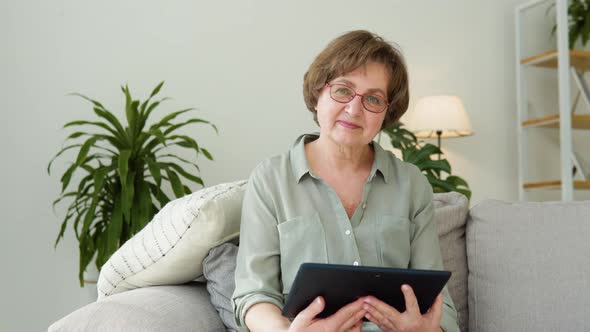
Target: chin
[(349, 139)]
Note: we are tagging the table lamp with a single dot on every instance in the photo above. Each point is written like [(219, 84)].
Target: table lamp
[(440, 117)]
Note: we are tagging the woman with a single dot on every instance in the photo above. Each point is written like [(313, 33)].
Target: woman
[(339, 198)]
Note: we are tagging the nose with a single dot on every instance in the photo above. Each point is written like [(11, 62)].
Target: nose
[(355, 107)]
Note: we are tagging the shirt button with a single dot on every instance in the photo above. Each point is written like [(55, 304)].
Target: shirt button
[(355, 263), (364, 206), (347, 232)]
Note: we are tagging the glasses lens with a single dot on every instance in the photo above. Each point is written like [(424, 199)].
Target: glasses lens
[(341, 93), (375, 104)]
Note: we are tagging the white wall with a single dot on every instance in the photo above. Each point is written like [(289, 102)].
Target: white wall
[(241, 63)]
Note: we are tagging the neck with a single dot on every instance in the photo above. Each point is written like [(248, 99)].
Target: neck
[(341, 157)]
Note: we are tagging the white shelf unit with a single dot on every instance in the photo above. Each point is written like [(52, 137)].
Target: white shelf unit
[(567, 63)]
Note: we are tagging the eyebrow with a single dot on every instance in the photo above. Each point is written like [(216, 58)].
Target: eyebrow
[(347, 82)]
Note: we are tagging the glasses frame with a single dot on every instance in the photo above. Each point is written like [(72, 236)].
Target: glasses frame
[(330, 85)]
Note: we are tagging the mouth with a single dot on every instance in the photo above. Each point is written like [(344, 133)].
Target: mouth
[(347, 124)]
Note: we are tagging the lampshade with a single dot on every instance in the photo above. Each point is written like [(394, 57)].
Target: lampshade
[(439, 113)]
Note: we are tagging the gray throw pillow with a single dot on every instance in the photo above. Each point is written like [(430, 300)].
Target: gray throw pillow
[(219, 268), (450, 215)]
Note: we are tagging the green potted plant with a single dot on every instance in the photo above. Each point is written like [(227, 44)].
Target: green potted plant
[(437, 171), (122, 170), (578, 12)]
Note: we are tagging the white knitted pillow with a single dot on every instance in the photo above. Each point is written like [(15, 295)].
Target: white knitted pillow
[(170, 249)]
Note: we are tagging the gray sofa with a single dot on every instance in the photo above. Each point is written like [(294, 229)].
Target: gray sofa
[(516, 267)]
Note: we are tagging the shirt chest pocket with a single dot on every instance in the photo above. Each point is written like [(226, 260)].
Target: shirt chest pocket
[(393, 240), (302, 239)]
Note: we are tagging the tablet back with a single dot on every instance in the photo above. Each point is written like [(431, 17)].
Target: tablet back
[(342, 284)]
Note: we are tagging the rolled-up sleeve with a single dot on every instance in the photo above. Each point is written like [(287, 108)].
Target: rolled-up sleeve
[(425, 248), (257, 273)]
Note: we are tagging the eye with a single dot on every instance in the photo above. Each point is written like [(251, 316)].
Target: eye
[(375, 100), (343, 91)]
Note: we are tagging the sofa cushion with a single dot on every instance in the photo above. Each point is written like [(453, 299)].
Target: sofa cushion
[(219, 268), (529, 266), (450, 213), (170, 249), (162, 308)]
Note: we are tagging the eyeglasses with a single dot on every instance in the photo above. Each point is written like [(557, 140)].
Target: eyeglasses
[(345, 94)]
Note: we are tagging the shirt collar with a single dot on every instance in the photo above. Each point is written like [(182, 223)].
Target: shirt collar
[(381, 163), (301, 167), (299, 163)]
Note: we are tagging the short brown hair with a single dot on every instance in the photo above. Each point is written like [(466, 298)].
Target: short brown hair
[(347, 53)]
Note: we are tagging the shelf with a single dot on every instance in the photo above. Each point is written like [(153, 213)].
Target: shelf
[(578, 59), (585, 185), (552, 121), (578, 64)]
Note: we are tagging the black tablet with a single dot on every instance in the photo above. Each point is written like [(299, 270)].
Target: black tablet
[(342, 284)]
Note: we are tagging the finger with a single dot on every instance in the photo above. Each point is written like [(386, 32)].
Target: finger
[(347, 312), (380, 318), (309, 313), (358, 327), (375, 321), (383, 307), (354, 320), (355, 328), (435, 311), (410, 298)]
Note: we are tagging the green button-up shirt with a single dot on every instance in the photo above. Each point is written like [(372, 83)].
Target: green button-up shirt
[(291, 216)]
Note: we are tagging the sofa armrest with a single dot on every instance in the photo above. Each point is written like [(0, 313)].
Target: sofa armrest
[(159, 308)]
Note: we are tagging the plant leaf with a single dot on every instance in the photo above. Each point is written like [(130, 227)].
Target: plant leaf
[(168, 155), (436, 165), (420, 156), (180, 125), (96, 103), (127, 194), (144, 204), (154, 171), (185, 142), (156, 89), (114, 227), (175, 183), (159, 136), (182, 172), (159, 195), (110, 118), (59, 154), (150, 108), (62, 229), (585, 29), (207, 153), (123, 164), (442, 184), (133, 119), (67, 176), (425, 152), (165, 121), (456, 181), (87, 250), (84, 150), (95, 124)]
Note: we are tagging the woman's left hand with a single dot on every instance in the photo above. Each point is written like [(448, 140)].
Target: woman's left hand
[(388, 319)]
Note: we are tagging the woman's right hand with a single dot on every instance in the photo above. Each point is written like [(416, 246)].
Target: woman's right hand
[(348, 318)]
